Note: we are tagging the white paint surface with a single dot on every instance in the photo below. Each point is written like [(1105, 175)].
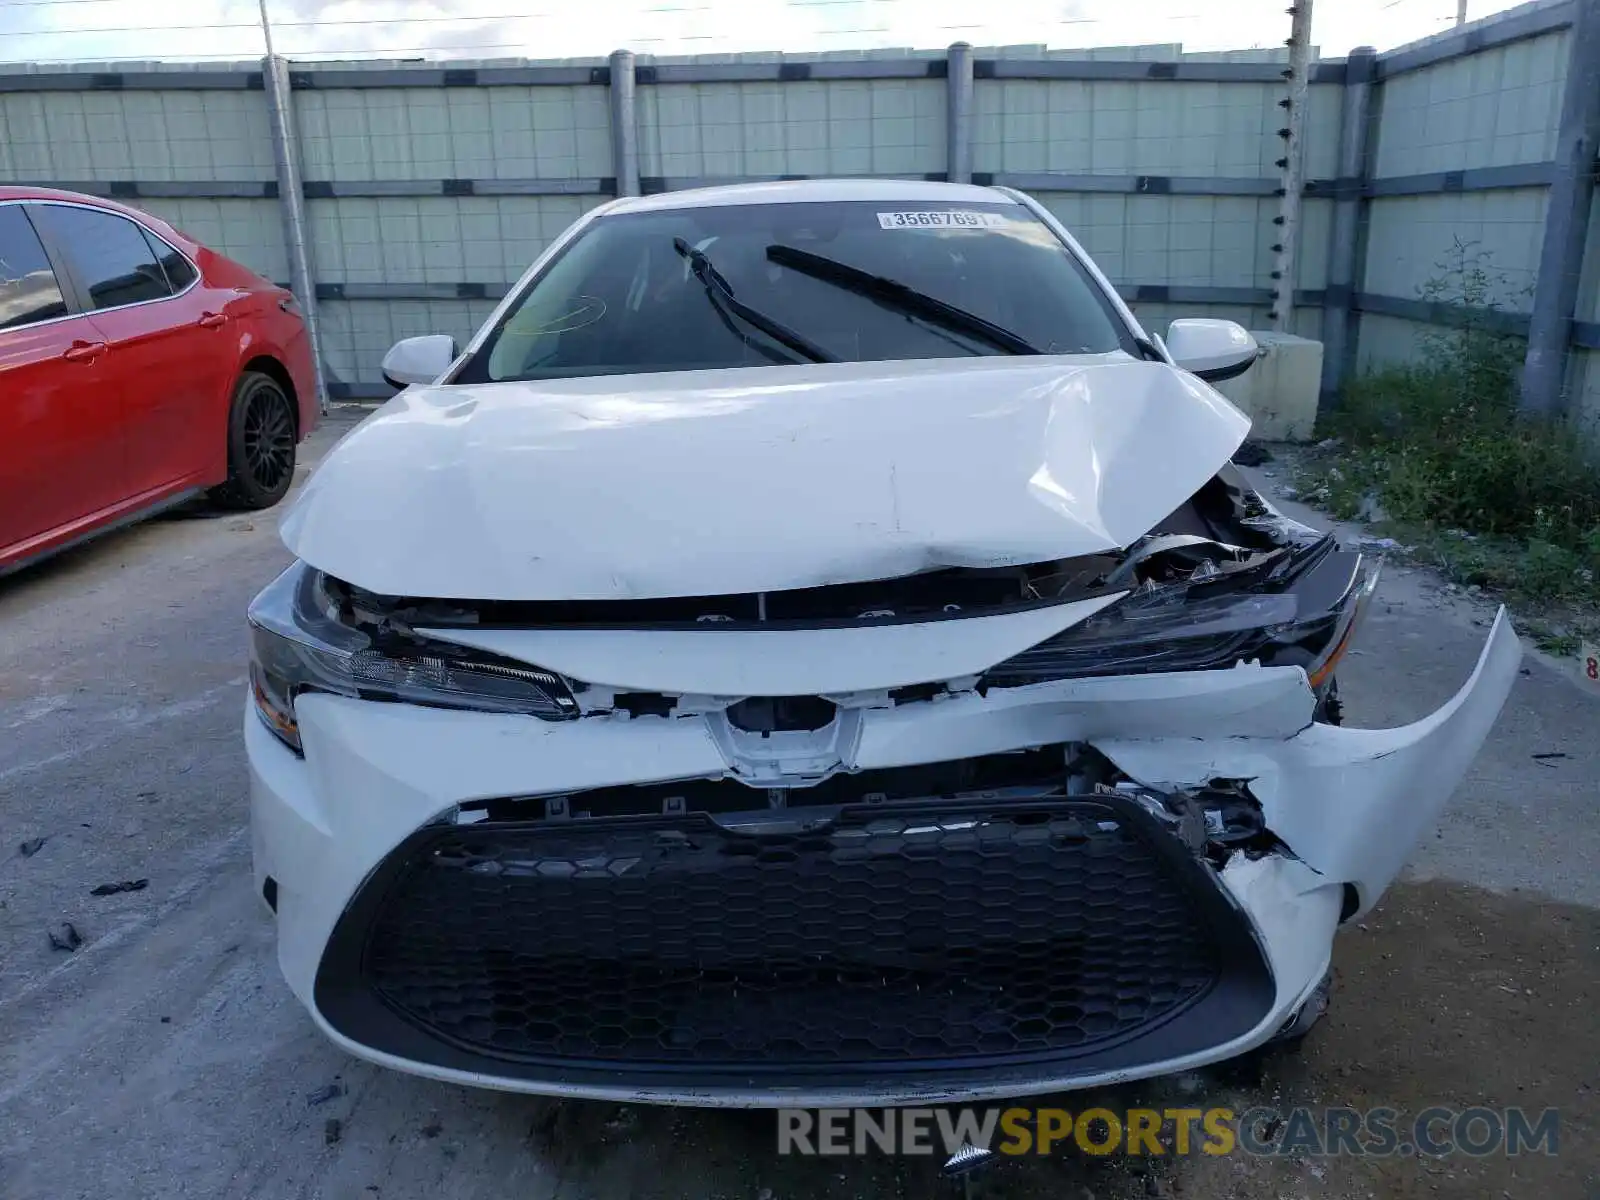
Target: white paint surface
[(759, 478), (781, 662)]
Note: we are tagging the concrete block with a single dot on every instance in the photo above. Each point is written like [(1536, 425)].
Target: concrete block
[(1280, 392)]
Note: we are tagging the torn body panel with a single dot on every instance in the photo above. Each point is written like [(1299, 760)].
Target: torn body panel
[(1351, 803)]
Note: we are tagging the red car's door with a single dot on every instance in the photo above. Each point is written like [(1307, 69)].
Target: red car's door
[(167, 335), (61, 452)]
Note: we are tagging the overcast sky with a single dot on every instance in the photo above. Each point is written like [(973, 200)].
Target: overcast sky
[(51, 30)]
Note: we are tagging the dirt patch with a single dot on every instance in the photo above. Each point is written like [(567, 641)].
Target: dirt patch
[(1445, 995)]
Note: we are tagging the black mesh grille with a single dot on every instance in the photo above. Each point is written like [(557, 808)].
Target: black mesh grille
[(953, 933)]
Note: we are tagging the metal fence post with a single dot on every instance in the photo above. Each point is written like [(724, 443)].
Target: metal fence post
[(624, 130), (1339, 329), (292, 207), (1566, 223), (958, 123), (1293, 165)]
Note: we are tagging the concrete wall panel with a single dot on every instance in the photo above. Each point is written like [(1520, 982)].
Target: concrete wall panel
[(1584, 380), (147, 135), (1492, 108), (1495, 106), (454, 133), (1413, 240), (357, 333), (248, 231), (436, 239), (1385, 341), (1196, 241), (839, 127)]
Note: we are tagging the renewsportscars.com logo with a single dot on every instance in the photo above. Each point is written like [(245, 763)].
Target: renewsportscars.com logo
[(1436, 1131)]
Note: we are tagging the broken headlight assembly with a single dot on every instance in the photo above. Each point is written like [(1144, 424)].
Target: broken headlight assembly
[(1301, 611), (304, 638)]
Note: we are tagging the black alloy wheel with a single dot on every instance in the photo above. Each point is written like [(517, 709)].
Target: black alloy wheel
[(261, 444)]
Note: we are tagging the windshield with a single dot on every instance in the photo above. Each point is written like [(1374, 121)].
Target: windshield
[(624, 297)]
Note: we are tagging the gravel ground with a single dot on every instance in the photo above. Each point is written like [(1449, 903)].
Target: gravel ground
[(164, 1057)]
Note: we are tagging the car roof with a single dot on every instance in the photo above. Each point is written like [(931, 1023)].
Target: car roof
[(797, 191), (21, 192)]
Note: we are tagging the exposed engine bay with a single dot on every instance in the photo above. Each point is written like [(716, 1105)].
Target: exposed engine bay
[(1224, 579)]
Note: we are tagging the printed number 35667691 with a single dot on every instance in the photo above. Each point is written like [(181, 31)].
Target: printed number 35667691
[(939, 219)]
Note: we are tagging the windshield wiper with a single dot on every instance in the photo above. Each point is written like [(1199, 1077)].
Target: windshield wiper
[(903, 297), (721, 293)]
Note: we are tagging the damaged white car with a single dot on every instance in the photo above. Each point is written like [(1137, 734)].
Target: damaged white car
[(812, 648)]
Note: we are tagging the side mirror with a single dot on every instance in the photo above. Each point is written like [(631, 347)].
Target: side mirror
[(1214, 350), (418, 359)]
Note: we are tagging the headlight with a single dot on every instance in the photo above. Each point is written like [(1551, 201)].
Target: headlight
[(1304, 620), (298, 644)]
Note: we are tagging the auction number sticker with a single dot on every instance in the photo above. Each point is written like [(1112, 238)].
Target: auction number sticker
[(941, 219), (1589, 664)]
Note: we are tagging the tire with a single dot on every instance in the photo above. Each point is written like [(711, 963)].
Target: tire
[(261, 445)]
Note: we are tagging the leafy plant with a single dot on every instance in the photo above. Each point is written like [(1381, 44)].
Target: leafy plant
[(1438, 445)]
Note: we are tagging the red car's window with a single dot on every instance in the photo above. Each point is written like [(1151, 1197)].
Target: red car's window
[(180, 272), (108, 253), (28, 288)]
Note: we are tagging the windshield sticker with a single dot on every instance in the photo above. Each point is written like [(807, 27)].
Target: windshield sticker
[(944, 219)]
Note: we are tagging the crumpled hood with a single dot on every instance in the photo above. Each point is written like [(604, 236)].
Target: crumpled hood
[(757, 479)]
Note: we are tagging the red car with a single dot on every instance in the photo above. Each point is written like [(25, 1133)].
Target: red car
[(137, 369)]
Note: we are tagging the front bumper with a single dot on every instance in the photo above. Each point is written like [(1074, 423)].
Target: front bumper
[(335, 830)]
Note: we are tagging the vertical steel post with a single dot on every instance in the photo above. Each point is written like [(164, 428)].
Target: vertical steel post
[(266, 29), (624, 127), (1344, 241), (958, 120), (1293, 166), (1566, 222), (292, 206)]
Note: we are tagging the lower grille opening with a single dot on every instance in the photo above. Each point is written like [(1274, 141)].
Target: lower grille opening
[(968, 934), (1029, 772)]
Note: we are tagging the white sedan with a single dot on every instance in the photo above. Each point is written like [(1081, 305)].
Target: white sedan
[(811, 648)]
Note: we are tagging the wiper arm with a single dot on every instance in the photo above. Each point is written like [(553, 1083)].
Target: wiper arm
[(721, 293), (903, 297)]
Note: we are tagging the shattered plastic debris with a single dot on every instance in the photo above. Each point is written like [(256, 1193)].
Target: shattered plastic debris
[(1371, 509), (125, 885), (65, 936), (31, 847), (323, 1094), (1279, 527), (1379, 543)]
